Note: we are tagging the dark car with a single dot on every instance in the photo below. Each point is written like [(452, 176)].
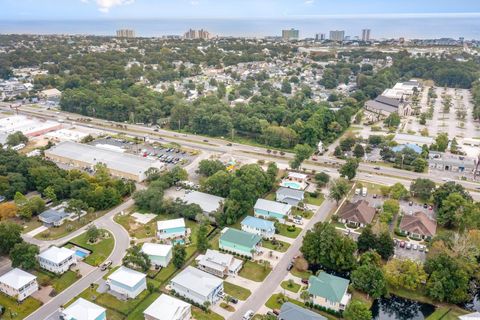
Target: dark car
[(229, 144), (290, 266), (305, 281), (234, 300), (376, 168), (425, 206)]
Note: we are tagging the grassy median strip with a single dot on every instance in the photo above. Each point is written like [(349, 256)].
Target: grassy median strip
[(236, 291)]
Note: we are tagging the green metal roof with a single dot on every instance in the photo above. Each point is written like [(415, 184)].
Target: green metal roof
[(240, 237), (328, 286)]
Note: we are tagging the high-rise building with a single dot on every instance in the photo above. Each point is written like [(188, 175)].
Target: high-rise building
[(292, 34), (126, 33), (365, 35), (320, 36), (337, 35), (197, 34)]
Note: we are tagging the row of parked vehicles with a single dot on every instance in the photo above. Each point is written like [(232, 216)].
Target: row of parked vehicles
[(410, 246)]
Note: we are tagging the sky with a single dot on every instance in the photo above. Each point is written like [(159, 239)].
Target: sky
[(17, 10)]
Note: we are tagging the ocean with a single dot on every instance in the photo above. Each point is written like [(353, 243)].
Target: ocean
[(410, 28)]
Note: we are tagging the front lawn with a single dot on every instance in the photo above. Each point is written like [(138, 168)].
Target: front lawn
[(236, 291), (199, 314), (290, 231), (290, 286), (254, 271), (314, 201), (58, 282), (18, 311), (276, 245), (274, 302), (99, 251), (301, 274)]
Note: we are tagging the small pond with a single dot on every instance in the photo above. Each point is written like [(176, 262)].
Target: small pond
[(396, 308)]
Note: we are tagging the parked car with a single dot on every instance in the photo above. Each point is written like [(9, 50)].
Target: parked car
[(248, 315), (229, 144), (408, 246), (376, 168), (305, 281), (233, 300), (410, 203), (290, 266), (425, 206), (276, 312), (104, 266), (402, 244), (421, 248), (415, 247)]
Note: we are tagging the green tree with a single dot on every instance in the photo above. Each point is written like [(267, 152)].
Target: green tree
[(422, 188), (357, 310), (349, 169), (10, 234), (218, 184), (286, 87), (385, 245), (419, 164), (210, 167), (358, 151), (398, 191), (405, 273), (50, 194), (302, 152), (392, 121), (93, 233), (202, 240), (338, 189), (24, 255), (178, 256), (390, 208), (322, 179), (325, 246), (16, 138), (370, 279), (137, 259), (441, 142), (367, 240), (453, 209)]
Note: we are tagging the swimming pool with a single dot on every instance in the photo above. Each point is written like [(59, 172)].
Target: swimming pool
[(291, 184), (81, 254)]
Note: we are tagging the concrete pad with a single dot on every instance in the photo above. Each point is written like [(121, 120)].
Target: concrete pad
[(143, 218)]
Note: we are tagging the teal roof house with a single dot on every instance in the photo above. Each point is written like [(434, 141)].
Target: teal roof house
[(239, 242), (329, 291)]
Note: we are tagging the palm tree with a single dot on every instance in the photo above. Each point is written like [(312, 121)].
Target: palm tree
[(304, 295)]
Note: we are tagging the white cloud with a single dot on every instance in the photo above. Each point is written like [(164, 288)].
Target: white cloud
[(194, 2), (105, 5), (309, 1)]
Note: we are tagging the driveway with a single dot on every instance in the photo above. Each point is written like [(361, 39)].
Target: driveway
[(279, 272)]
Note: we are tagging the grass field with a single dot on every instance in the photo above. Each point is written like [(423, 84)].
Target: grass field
[(274, 303), (282, 229), (444, 313), (100, 251), (280, 246), (254, 271), (236, 291), (290, 286), (314, 201), (16, 311), (58, 282), (199, 314)]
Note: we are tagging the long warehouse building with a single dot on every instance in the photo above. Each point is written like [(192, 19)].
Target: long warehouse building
[(119, 164)]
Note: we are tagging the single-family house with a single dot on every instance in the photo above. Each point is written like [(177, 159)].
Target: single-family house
[(239, 242), (159, 254), (83, 309), (18, 284), (418, 226), (53, 218), (166, 307), (272, 209), (329, 291), (359, 213), (210, 204), (261, 227), (171, 229), (290, 311), (57, 260), (197, 285), (127, 282), (289, 196), (218, 263)]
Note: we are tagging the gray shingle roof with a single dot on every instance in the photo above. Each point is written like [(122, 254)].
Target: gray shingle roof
[(290, 311)]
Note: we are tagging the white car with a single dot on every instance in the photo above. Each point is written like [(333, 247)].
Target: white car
[(248, 315)]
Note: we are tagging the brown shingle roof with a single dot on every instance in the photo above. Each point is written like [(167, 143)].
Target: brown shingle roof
[(419, 223), (359, 211)]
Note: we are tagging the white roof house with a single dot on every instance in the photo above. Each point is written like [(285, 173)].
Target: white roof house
[(127, 276), (272, 206), (49, 93), (156, 249), (297, 175), (218, 263), (17, 278), (209, 203), (83, 309), (197, 285), (56, 254), (168, 308), (170, 224)]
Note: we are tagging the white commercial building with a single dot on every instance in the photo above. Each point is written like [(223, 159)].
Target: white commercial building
[(168, 308), (119, 164), (83, 309), (57, 260), (18, 284), (127, 282), (209, 203), (197, 285)]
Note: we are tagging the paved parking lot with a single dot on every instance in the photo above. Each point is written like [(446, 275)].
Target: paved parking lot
[(169, 156)]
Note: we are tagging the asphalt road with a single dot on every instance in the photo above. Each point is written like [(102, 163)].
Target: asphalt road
[(261, 295), (122, 242), (221, 146)]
